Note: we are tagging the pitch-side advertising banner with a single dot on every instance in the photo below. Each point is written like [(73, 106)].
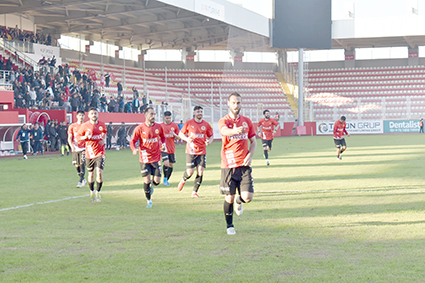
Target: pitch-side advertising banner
[(353, 127), (406, 126)]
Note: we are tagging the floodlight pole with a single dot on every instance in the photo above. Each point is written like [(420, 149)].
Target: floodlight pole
[(300, 87)]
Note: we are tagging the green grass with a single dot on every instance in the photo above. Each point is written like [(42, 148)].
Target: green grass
[(313, 218)]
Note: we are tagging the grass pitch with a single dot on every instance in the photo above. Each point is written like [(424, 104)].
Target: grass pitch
[(313, 218)]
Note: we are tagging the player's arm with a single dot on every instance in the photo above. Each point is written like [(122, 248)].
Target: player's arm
[(252, 147), (185, 138), (346, 133), (259, 130), (209, 140), (133, 142), (275, 127), (226, 131), (71, 144)]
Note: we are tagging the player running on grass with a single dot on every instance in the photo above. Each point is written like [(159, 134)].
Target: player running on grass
[(171, 130), (238, 147), (93, 132), (150, 136), (197, 134), (267, 128), (78, 147), (339, 140)]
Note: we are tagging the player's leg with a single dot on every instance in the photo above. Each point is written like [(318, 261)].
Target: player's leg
[(338, 148), (100, 163), (343, 147), (90, 177), (228, 188), (165, 167), (198, 180), (190, 168), (76, 162), (266, 151), (82, 162), (147, 187)]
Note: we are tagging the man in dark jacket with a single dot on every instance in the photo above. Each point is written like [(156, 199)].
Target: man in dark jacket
[(37, 137), (109, 136), (24, 138), (122, 136), (63, 137)]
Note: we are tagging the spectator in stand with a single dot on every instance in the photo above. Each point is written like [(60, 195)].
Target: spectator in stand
[(33, 97), (103, 103), (119, 87), (135, 92), (24, 138), (107, 78), (121, 104), (75, 102), (109, 136), (37, 137), (127, 107), (135, 103), (112, 105)]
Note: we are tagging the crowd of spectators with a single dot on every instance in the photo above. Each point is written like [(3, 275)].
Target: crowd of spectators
[(23, 35), (66, 89)]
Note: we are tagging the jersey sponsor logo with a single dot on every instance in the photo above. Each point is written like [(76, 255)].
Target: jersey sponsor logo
[(154, 140), (243, 136), (245, 124), (199, 136), (96, 137), (169, 135), (267, 128)]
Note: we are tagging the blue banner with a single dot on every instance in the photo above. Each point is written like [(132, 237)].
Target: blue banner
[(401, 126)]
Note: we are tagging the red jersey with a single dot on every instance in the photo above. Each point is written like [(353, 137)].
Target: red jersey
[(97, 133), (150, 140), (339, 130), (267, 127), (199, 132), (235, 148), (169, 129), (79, 144)]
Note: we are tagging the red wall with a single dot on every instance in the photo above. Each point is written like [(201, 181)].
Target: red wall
[(9, 117), (6, 97)]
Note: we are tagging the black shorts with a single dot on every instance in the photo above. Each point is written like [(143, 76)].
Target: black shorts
[(267, 143), (193, 161), (239, 178), (340, 143), (78, 158), (98, 162), (150, 169), (171, 157)]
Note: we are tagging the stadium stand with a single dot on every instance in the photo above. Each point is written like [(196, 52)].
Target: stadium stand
[(367, 93)]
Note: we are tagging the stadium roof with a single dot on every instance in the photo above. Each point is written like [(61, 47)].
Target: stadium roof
[(144, 23), (167, 24)]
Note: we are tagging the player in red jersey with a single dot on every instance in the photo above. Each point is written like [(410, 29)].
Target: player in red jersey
[(78, 147), (151, 138), (197, 134), (93, 132), (238, 147), (339, 140), (267, 128), (171, 130)]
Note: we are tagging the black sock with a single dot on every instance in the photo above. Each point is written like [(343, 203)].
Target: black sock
[(165, 170), (147, 189), (78, 170), (83, 171), (170, 170), (198, 182), (266, 154), (155, 183), (91, 186), (99, 186), (228, 213), (185, 176)]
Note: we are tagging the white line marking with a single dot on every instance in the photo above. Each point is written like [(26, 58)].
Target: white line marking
[(41, 202)]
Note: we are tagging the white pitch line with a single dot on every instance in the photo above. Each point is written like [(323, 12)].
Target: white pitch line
[(41, 202)]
